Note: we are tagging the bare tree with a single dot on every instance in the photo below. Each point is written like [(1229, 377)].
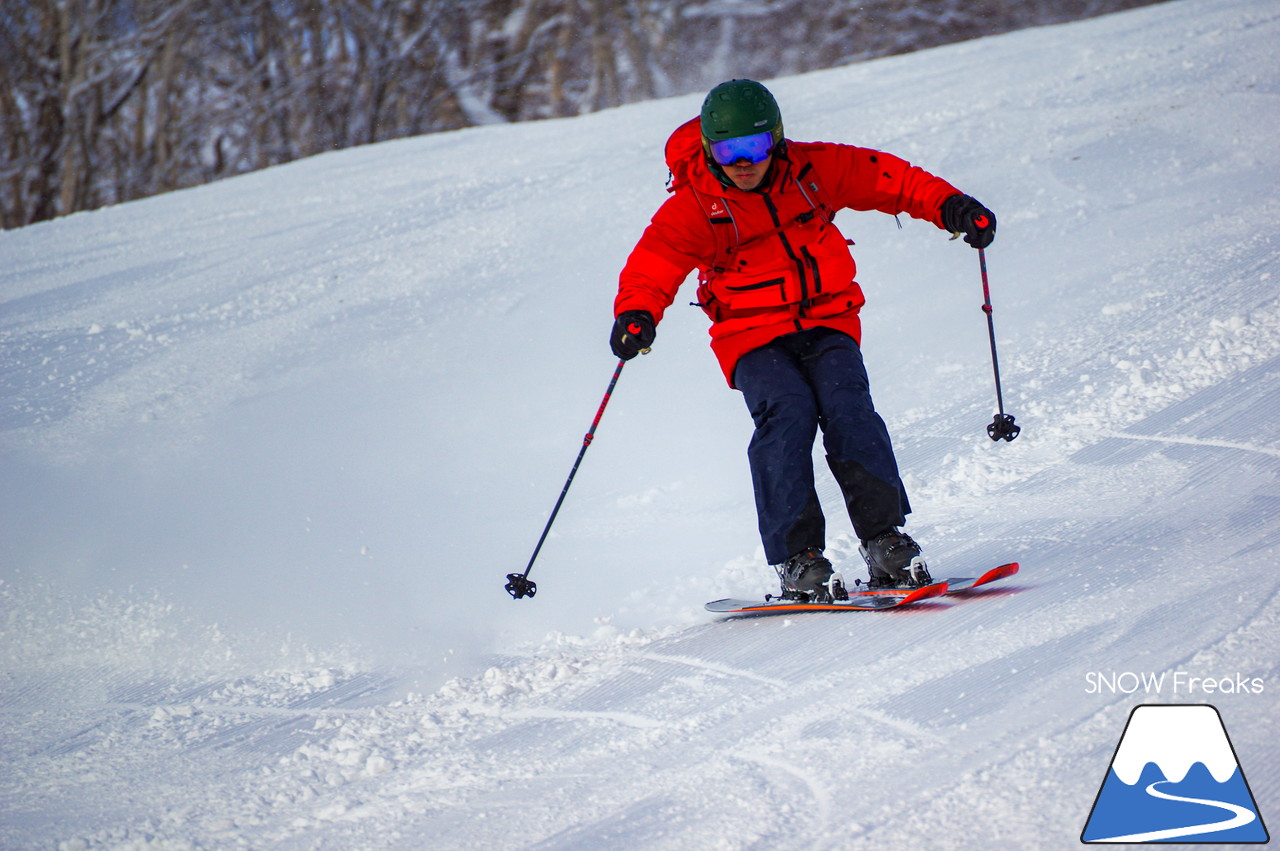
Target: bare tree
[(102, 101)]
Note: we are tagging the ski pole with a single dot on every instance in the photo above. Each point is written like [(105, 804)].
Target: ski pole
[(1002, 426), (518, 584)]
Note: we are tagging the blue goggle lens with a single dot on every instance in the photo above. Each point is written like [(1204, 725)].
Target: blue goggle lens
[(753, 148)]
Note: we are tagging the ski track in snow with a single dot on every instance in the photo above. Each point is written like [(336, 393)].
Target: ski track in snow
[(268, 442), (1191, 441)]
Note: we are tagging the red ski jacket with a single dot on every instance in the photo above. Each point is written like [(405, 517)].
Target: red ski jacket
[(770, 261)]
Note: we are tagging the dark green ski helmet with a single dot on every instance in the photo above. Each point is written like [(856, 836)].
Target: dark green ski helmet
[(740, 108)]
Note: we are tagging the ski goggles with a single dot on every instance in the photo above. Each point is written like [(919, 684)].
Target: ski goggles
[(754, 148)]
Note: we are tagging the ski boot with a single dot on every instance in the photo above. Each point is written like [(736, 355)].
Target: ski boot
[(808, 577), (894, 561)]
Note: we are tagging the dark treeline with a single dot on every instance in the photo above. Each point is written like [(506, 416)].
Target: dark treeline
[(103, 101)]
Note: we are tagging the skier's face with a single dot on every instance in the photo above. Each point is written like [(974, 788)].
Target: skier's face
[(747, 176)]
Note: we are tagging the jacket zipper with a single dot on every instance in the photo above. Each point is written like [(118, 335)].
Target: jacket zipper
[(813, 264), (800, 265), (772, 282)]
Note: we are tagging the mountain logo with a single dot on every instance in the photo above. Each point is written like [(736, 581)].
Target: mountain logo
[(1175, 778)]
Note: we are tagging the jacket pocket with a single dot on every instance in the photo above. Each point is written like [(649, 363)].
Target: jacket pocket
[(738, 292), (743, 288)]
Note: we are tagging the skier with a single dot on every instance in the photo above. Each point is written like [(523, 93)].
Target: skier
[(752, 211)]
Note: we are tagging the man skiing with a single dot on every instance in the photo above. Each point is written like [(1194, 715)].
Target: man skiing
[(752, 211)]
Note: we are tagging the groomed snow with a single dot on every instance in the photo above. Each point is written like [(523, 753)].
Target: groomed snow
[(270, 447)]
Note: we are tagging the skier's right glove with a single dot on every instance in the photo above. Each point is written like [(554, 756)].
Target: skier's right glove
[(633, 333), (964, 215)]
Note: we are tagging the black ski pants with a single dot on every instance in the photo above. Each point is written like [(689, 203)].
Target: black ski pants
[(793, 386)]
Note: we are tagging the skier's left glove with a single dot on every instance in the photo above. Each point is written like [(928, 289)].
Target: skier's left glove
[(964, 215), (633, 333)]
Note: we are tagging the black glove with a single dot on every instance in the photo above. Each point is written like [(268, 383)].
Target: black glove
[(964, 215), (633, 333)]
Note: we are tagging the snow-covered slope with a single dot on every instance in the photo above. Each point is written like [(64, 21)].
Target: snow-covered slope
[(270, 447)]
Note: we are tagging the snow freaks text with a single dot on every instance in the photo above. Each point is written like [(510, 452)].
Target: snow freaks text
[(1172, 683)]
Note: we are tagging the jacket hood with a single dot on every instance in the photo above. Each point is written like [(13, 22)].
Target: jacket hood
[(687, 160), (685, 157)]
